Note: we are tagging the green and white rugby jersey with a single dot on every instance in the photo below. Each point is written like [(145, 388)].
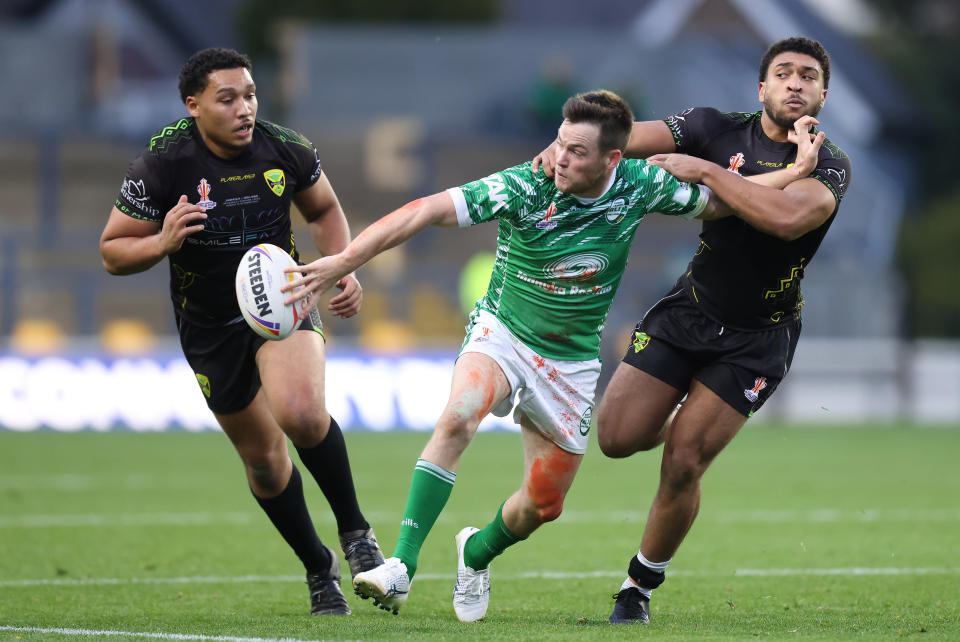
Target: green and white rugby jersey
[(560, 258)]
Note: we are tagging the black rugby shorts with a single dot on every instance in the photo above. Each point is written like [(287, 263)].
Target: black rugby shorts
[(223, 358), (676, 343)]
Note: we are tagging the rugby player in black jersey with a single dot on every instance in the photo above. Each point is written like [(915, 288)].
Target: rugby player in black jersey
[(724, 336), (206, 189)]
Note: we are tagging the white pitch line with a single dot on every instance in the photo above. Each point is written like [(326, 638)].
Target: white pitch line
[(132, 519), (143, 634), (531, 575)]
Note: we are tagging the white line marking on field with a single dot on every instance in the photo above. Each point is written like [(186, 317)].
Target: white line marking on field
[(143, 634), (135, 519), (532, 575)]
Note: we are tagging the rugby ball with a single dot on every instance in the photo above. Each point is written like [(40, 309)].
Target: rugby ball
[(260, 276)]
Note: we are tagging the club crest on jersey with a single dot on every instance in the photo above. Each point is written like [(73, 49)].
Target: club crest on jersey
[(735, 163), (204, 382), (752, 394), (640, 341), (547, 222), (276, 181), (203, 189), (616, 211)]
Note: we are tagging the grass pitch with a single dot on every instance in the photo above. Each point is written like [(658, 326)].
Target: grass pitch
[(815, 533)]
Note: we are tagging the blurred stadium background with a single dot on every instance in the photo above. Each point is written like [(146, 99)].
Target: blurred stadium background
[(408, 98)]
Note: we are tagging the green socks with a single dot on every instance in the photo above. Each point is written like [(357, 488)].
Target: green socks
[(489, 542), (430, 489)]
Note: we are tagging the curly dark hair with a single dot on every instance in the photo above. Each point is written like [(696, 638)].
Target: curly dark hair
[(801, 45), (606, 109), (193, 74)]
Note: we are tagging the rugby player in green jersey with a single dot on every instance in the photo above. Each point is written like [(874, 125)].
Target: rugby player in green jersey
[(533, 340)]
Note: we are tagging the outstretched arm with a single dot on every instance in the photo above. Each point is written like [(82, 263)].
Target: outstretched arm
[(331, 233), (390, 231)]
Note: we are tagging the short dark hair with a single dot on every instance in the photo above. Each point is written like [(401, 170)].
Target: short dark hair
[(606, 109), (798, 44), (193, 74)]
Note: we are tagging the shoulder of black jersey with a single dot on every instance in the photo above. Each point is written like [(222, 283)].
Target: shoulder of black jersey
[(738, 117), (832, 150), (282, 134), (168, 137)]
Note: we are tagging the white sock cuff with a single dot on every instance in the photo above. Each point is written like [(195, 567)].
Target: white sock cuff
[(432, 469), (660, 567)]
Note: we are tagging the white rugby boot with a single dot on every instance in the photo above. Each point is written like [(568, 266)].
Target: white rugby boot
[(471, 595), (388, 584)]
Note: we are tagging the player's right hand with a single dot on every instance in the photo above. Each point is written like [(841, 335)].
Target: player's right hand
[(546, 159), (183, 219)]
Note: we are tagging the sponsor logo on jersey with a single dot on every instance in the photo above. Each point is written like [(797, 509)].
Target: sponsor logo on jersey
[(484, 335), (736, 162), (585, 421), (204, 382), (752, 394), (496, 192), (616, 210), (577, 267), (640, 341), (136, 193), (203, 189), (840, 176), (276, 181), (238, 177), (547, 222)]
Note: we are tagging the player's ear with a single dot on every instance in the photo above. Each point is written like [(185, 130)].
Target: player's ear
[(613, 157), (760, 91), (193, 107)]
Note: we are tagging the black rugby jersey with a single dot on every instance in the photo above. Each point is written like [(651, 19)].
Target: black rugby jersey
[(247, 199), (740, 276)]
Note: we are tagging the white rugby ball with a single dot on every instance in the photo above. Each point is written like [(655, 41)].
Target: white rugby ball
[(260, 276)]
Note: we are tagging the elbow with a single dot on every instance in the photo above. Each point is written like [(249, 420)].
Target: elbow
[(110, 267), (787, 232)]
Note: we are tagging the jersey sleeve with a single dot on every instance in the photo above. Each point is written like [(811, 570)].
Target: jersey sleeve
[(306, 161), (504, 194), (833, 170), (673, 197), (690, 128), (141, 195), (300, 155)]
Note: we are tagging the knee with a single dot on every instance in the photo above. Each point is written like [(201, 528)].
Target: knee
[(545, 507), (681, 468), (456, 426), (305, 423), (617, 439), (265, 470)]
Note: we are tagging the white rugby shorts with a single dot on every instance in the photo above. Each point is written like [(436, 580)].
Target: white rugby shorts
[(557, 396)]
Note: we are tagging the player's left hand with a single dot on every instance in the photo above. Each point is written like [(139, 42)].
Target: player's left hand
[(347, 303), (683, 167)]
